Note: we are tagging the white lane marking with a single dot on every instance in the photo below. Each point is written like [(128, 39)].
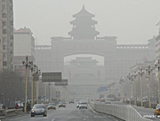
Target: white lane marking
[(84, 119), (53, 119), (93, 110)]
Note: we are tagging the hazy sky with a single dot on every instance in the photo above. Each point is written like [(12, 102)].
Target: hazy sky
[(132, 21)]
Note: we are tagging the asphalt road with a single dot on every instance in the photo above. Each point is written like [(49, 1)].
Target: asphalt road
[(70, 113)]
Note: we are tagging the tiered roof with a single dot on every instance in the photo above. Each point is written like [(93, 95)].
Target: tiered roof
[(83, 25)]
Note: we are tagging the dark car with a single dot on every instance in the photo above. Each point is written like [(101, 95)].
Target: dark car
[(39, 109)]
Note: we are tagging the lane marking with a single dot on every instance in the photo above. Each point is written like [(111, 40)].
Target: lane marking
[(53, 119)]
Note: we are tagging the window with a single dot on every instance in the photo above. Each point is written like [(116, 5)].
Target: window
[(4, 63), (4, 31), (4, 47), (4, 15)]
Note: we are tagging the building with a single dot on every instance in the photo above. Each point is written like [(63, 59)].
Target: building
[(84, 39), (24, 42), (6, 34), (24, 45)]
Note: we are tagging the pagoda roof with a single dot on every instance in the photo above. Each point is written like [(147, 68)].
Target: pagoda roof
[(83, 13), (76, 21)]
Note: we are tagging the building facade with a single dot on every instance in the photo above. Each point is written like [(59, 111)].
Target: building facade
[(6, 35), (84, 39), (24, 45)]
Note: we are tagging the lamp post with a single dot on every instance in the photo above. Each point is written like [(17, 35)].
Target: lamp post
[(26, 63), (149, 70), (157, 65), (38, 73), (141, 73), (130, 79), (32, 68), (121, 80), (135, 93)]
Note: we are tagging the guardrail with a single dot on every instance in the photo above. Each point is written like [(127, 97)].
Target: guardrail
[(10, 112), (127, 113)]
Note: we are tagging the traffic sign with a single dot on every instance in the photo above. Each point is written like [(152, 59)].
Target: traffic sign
[(63, 82), (51, 77)]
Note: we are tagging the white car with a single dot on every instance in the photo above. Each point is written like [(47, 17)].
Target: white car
[(83, 105)]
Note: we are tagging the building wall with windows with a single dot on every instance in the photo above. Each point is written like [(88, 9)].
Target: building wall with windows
[(24, 42), (6, 34)]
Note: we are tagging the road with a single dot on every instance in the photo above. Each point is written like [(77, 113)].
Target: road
[(70, 113)]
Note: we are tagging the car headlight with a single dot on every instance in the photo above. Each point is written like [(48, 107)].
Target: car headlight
[(33, 111)]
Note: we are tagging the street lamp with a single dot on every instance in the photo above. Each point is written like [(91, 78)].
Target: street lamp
[(157, 65), (149, 70), (135, 93), (32, 68), (130, 79), (37, 74), (121, 80), (141, 72), (26, 63)]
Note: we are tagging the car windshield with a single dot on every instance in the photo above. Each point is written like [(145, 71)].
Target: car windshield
[(83, 103), (51, 105), (38, 106), (87, 51), (158, 106)]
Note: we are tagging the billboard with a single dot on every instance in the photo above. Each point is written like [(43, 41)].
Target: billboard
[(63, 82), (51, 77)]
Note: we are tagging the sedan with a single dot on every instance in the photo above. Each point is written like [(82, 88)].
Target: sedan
[(157, 110), (83, 105), (38, 109), (62, 104), (51, 106)]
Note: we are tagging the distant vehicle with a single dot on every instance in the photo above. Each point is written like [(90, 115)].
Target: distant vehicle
[(71, 101), (97, 99), (101, 96), (38, 109), (83, 105), (2, 106), (51, 106), (78, 104), (108, 102), (62, 104), (157, 110), (102, 100)]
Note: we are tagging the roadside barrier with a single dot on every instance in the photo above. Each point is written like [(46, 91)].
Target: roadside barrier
[(127, 113)]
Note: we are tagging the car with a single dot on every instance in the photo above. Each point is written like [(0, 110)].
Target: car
[(78, 104), (83, 105), (2, 106), (108, 102), (62, 104), (97, 99), (102, 100), (157, 110), (51, 106), (39, 109), (71, 101)]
